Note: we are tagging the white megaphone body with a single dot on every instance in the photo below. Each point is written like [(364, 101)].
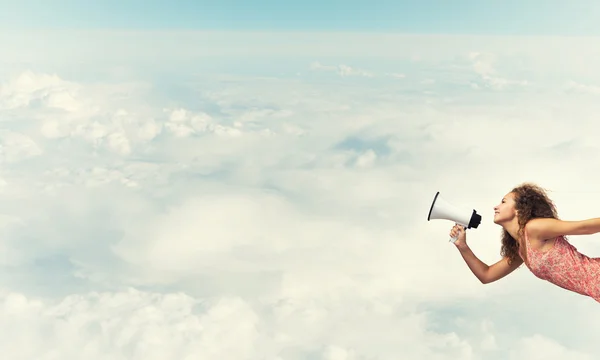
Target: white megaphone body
[(441, 209)]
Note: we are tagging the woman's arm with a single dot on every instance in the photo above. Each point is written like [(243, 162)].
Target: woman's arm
[(548, 228), (485, 273)]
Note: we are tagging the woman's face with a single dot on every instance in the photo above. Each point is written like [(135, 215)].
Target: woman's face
[(505, 211)]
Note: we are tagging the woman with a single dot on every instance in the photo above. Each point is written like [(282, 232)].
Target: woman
[(533, 234)]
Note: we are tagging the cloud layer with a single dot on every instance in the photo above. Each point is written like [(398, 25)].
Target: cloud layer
[(231, 211)]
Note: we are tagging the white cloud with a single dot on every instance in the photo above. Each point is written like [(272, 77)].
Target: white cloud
[(283, 217), (132, 324), (30, 88), (343, 70), (15, 147), (483, 66), (538, 347), (397, 75), (129, 325), (582, 88)]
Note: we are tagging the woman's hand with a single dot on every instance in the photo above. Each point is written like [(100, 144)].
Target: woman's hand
[(458, 230)]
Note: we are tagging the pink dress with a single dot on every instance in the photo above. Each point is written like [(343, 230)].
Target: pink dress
[(566, 267)]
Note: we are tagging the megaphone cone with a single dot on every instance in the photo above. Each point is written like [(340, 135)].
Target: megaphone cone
[(442, 209)]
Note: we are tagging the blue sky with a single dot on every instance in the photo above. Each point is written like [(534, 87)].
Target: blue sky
[(550, 17)]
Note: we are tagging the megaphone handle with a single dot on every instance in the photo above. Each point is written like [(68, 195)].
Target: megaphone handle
[(453, 239)]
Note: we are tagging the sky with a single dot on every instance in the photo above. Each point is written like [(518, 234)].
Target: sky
[(539, 17), (250, 193)]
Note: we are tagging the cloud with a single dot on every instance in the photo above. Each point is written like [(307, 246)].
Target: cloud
[(129, 325), (539, 347), (342, 69), (484, 67), (17, 147), (182, 211), (30, 89), (397, 75), (63, 109), (582, 88), (133, 324)]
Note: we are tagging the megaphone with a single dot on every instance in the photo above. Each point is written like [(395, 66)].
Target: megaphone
[(442, 209)]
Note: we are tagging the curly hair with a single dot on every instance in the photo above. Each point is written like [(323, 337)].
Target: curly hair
[(531, 201)]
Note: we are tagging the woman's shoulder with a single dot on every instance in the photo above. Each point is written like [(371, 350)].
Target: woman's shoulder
[(542, 229)]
